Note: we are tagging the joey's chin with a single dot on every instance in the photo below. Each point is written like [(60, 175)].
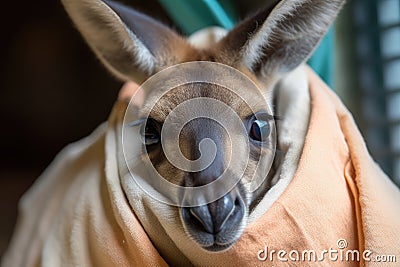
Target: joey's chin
[(219, 248), (212, 243)]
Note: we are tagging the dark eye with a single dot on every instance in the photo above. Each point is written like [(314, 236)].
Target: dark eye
[(259, 130), (151, 133)]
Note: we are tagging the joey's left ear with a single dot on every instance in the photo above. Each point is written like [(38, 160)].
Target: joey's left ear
[(280, 37), (130, 44)]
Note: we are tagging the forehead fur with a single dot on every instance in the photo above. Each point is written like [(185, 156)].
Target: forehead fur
[(159, 108)]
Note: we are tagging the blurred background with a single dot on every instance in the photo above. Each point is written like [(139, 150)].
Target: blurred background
[(54, 91)]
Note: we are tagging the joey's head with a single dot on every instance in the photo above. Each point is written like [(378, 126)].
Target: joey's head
[(215, 143), (205, 126)]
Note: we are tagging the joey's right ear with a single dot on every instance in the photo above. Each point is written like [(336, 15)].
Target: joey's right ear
[(131, 45), (280, 37)]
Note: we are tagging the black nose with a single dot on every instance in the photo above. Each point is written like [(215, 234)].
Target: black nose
[(213, 217)]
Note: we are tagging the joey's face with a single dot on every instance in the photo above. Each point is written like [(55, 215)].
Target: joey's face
[(219, 136)]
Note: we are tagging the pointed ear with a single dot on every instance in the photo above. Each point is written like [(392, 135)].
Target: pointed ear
[(132, 45), (281, 36)]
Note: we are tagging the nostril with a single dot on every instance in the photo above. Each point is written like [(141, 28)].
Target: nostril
[(201, 216), (237, 202)]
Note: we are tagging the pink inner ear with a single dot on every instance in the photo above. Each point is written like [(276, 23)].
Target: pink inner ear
[(127, 91)]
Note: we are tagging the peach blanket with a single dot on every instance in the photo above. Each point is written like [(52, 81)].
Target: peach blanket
[(339, 200)]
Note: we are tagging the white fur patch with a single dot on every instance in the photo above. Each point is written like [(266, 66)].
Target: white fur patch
[(206, 38)]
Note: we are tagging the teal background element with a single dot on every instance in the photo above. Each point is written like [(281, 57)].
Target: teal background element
[(193, 15), (323, 59)]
